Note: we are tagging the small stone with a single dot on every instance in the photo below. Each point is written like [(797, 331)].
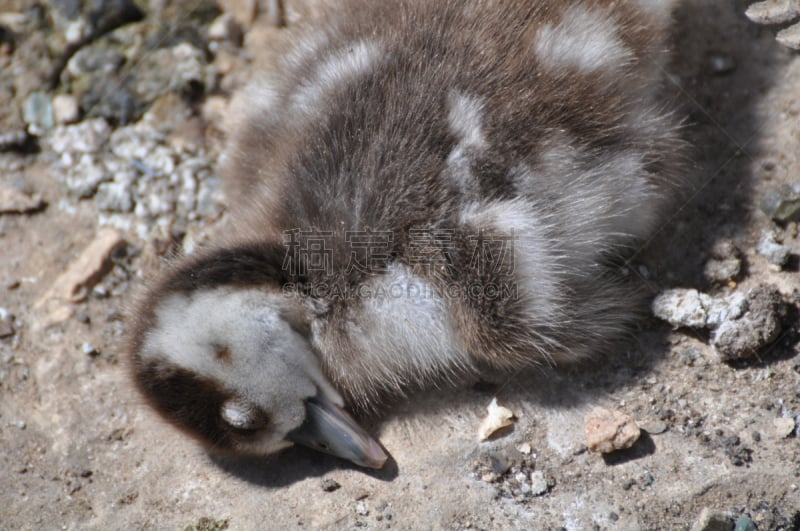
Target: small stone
[(773, 251), (772, 11), (756, 329), (90, 350), (88, 136), (116, 196), (361, 508), (723, 309), (524, 448), (37, 111), (13, 201), (539, 484), (784, 426), (497, 419), (712, 521), (790, 37), (725, 263), (490, 477), (330, 485), (682, 307), (66, 109), (225, 28), (782, 205), (607, 431)]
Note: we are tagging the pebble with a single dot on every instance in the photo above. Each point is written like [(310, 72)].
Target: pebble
[(693, 309), (757, 328), (225, 28), (330, 485), (607, 431), (90, 350), (790, 37), (784, 426), (783, 204), (66, 109), (539, 484), (769, 248), (497, 418), (361, 508), (772, 12), (37, 111), (682, 307)]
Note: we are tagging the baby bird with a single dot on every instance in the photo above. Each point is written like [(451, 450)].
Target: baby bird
[(429, 189)]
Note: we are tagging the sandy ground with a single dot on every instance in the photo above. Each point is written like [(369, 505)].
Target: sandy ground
[(80, 450)]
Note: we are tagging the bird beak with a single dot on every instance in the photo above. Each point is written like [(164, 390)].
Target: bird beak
[(330, 429)]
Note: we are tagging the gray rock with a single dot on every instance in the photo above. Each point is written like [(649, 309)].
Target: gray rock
[(94, 59), (682, 307), (755, 330), (83, 178), (116, 196), (783, 204), (538, 484), (693, 309), (790, 37), (773, 251), (784, 426), (89, 136), (721, 309), (37, 111), (772, 11)]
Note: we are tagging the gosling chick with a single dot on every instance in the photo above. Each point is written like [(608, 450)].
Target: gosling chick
[(429, 189)]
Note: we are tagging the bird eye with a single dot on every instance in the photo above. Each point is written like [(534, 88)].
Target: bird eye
[(242, 416), (222, 353)]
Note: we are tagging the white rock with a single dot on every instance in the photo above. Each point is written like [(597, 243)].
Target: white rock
[(498, 417), (66, 109)]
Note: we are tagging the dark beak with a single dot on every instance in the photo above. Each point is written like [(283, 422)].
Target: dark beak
[(330, 429)]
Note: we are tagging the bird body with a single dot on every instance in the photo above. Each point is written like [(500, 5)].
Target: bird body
[(424, 190)]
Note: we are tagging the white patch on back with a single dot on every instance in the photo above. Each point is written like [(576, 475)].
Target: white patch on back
[(585, 39), (607, 195), (464, 117), (402, 331), (535, 268), (341, 66)]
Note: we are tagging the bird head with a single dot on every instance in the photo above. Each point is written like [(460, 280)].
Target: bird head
[(230, 362)]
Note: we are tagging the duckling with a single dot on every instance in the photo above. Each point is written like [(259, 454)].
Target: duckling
[(428, 189)]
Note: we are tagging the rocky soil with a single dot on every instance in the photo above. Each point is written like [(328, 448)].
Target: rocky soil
[(111, 126)]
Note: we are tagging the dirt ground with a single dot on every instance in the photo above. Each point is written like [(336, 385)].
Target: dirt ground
[(81, 451)]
